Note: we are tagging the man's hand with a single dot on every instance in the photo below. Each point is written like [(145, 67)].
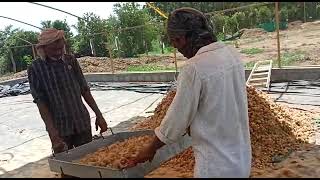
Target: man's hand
[(58, 145), (188, 131), (101, 122), (146, 154)]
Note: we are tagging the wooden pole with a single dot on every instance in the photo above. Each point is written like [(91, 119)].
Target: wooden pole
[(146, 47), (14, 66), (93, 51), (34, 52), (304, 12), (111, 60), (278, 37)]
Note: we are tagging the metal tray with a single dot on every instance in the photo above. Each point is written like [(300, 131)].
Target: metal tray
[(64, 162)]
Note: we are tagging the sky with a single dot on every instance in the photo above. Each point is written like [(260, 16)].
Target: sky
[(34, 14)]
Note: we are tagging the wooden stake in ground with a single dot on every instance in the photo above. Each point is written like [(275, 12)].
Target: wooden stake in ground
[(304, 12), (111, 60), (278, 37), (93, 51), (34, 52), (14, 66)]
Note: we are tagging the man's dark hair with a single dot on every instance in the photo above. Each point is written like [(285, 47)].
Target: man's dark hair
[(192, 24)]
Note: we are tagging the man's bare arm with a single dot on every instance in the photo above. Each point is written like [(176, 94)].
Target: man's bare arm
[(91, 102), (100, 121), (57, 142)]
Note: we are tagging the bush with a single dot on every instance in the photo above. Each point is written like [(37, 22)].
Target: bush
[(264, 15), (27, 59), (218, 21), (4, 65), (284, 14), (242, 20), (252, 51)]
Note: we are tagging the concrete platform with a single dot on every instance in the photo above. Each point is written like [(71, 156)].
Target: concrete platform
[(25, 144), (25, 140)]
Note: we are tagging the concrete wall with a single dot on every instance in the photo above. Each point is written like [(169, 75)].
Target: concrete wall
[(294, 73), (13, 81), (285, 74), (132, 77)]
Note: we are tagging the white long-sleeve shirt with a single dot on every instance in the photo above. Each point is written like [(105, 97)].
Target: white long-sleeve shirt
[(211, 98)]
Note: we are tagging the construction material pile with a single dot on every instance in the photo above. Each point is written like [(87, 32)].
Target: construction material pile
[(14, 76), (252, 33), (300, 164), (117, 154), (154, 121), (103, 64), (275, 131), (180, 166)]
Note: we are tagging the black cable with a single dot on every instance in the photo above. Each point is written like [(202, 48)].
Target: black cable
[(150, 105), (287, 87), (299, 103)]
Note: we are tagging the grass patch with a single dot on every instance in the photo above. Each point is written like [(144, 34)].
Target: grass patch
[(252, 51), (289, 58), (149, 67), (157, 50), (229, 42), (249, 65)]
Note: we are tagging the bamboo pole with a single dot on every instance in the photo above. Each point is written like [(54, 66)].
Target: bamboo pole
[(304, 12), (93, 51), (111, 60), (14, 66), (34, 52), (278, 37)]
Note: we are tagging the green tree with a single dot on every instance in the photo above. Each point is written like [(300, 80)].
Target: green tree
[(9, 39), (137, 40), (264, 15), (91, 27), (242, 20)]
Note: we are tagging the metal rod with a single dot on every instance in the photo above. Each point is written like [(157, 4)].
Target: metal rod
[(61, 171), (100, 174), (111, 131), (53, 152), (238, 8), (57, 10), (20, 22)]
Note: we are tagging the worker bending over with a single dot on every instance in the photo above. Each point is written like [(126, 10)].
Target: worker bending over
[(211, 100)]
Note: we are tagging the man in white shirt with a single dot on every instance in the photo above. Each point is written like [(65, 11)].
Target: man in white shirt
[(211, 100)]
